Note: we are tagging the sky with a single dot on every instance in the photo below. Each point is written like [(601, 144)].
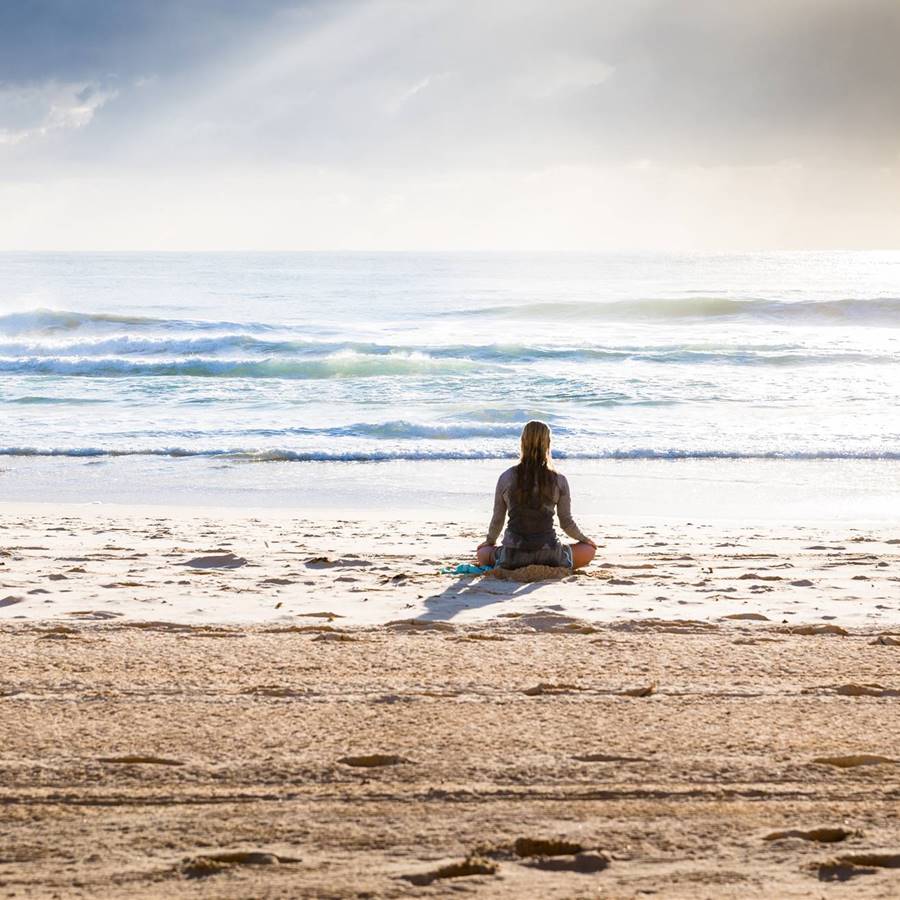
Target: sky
[(683, 125)]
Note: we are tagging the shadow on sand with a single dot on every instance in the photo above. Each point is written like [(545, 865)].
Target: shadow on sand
[(474, 592)]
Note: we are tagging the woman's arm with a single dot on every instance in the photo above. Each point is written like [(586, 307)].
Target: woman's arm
[(564, 511), (499, 516)]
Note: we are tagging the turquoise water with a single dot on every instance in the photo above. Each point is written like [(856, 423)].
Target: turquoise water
[(445, 356)]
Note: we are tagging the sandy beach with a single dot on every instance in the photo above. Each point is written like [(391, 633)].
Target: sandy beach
[(227, 704)]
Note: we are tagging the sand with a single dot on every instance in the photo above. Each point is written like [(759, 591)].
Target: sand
[(91, 563), (228, 705)]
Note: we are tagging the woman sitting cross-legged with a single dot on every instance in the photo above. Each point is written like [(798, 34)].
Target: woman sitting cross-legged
[(531, 492)]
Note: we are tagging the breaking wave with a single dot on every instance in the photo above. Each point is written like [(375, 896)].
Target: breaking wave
[(279, 455), (879, 311)]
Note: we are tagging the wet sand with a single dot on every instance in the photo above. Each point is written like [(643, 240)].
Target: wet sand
[(184, 735)]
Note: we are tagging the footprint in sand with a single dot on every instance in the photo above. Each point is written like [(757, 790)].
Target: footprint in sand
[(846, 867), (11, 601), (552, 689), (140, 760), (606, 757), (373, 761), (464, 869), (323, 562), (815, 629), (559, 856), (95, 614), (222, 561), (819, 835), (584, 863), (854, 760), (337, 637), (863, 690), (213, 863)]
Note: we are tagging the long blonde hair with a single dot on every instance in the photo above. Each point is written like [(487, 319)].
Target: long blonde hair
[(535, 477)]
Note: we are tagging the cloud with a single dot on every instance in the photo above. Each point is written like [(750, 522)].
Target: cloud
[(388, 100), (462, 83), (35, 111)]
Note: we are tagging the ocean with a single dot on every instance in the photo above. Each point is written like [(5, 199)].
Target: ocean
[(356, 357)]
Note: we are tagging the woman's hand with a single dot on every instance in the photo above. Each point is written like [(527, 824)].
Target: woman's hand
[(592, 542)]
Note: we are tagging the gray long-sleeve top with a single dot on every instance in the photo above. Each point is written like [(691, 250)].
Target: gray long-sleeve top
[(561, 498)]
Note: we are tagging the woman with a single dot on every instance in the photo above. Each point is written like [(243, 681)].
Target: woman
[(531, 491)]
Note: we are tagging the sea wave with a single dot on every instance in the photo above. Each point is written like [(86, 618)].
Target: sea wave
[(44, 321), (341, 365), (438, 454), (192, 351), (862, 311), (877, 311)]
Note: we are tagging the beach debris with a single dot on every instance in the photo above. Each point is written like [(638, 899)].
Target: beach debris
[(552, 689), (644, 691), (472, 865), (214, 863), (221, 561), (819, 835), (373, 761), (853, 760), (141, 760)]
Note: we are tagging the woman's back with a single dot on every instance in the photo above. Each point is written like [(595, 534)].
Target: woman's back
[(530, 493)]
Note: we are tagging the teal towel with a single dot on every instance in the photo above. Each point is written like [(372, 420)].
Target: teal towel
[(466, 569)]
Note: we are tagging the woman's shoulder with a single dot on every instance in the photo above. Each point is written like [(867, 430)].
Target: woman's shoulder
[(508, 476)]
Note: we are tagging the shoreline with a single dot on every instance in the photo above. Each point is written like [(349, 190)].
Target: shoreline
[(846, 492)]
